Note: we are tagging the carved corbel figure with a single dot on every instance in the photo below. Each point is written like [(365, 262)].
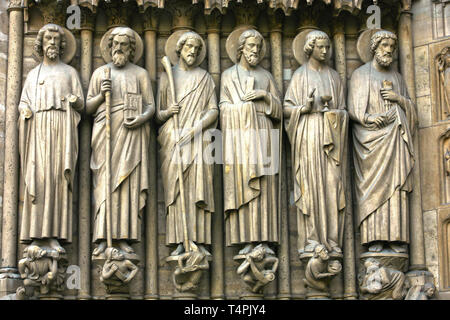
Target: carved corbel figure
[(117, 270), (382, 283), (258, 268), (40, 268), (319, 270)]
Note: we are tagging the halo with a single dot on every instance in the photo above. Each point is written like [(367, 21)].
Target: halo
[(69, 50), (171, 48), (298, 46), (232, 44), (106, 51), (363, 45)]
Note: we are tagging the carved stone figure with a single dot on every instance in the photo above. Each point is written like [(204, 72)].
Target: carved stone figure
[(41, 267), (132, 105), (49, 108), (384, 122), (190, 267), (314, 107), (444, 80), (382, 283), (319, 270), (258, 268), (185, 114), (117, 270), (196, 107), (249, 104), (51, 100)]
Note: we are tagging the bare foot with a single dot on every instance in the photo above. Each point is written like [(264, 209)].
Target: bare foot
[(125, 247), (100, 248)]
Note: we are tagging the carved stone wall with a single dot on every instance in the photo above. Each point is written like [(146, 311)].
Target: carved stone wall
[(433, 136), (431, 37)]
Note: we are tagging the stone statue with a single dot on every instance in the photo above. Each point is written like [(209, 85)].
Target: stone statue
[(132, 105), (382, 283), (51, 100), (258, 268), (40, 268), (249, 104), (49, 108), (319, 270), (117, 270), (444, 79), (185, 115), (190, 267), (384, 121), (249, 99), (316, 124), (196, 107)]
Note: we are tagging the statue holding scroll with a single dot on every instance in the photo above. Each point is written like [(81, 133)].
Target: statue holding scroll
[(384, 121), (131, 106)]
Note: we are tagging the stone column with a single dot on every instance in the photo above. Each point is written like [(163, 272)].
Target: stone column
[(84, 170), (339, 48), (9, 277), (217, 266), (406, 57), (276, 54), (151, 214)]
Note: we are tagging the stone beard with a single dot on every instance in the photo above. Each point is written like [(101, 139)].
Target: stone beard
[(250, 192), (383, 157), (129, 154), (195, 90), (318, 141), (48, 147)]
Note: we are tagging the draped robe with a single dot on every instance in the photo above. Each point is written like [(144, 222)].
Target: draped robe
[(318, 141), (48, 147), (195, 92), (129, 154), (250, 176), (383, 158)]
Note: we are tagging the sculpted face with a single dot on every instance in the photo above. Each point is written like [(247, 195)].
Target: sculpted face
[(321, 50), (51, 44), (120, 50), (324, 255), (384, 52), (190, 51), (252, 50)]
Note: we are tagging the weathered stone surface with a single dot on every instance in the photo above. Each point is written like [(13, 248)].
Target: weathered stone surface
[(430, 227)]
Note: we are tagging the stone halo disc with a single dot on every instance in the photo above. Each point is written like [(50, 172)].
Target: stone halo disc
[(69, 50), (106, 51), (232, 44), (171, 48), (299, 43), (363, 45)]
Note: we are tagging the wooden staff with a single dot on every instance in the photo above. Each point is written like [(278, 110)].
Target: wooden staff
[(107, 76), (168, 68)]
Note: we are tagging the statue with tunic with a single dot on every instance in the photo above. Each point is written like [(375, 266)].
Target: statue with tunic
[(384, 121), (182, 147), (131, 105), (316, 124), (51, 100), (250, 110)]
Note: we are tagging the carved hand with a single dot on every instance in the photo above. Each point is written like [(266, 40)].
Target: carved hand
[(134, 122), (25, 112), (380, 120), (309, 102), (255, 95), (390, 95), (173, 109), (105, 86)]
